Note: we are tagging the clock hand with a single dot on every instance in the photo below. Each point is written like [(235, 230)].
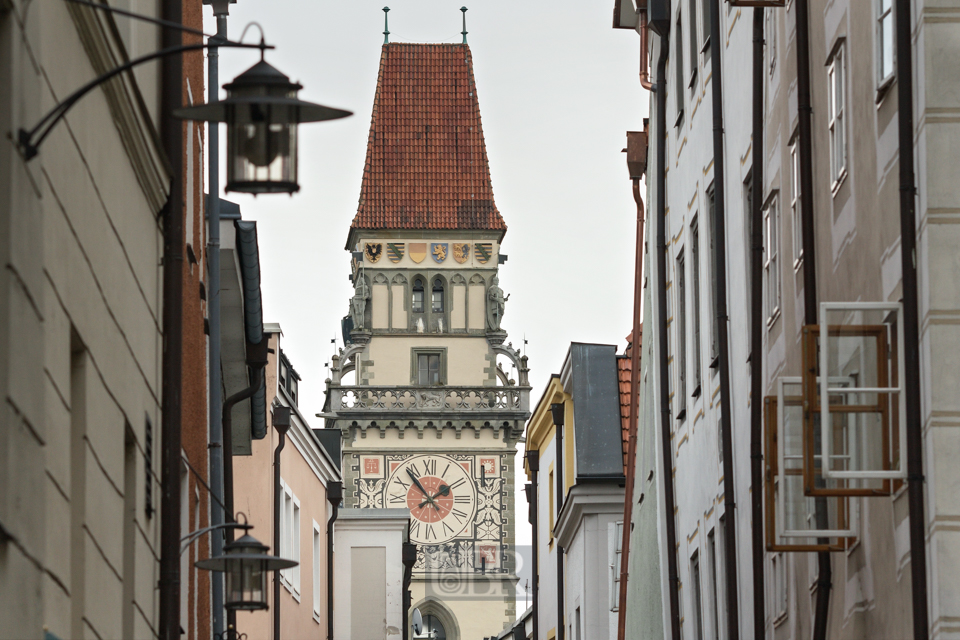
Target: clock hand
[(419, 486)]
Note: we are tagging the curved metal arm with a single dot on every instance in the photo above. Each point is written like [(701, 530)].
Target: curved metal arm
[(188, 539), (46, 124)]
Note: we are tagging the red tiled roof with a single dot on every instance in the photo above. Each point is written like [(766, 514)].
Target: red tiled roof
[(426, 165), (623, 382)]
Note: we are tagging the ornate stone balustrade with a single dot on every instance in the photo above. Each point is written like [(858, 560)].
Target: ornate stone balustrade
[(429, 399)]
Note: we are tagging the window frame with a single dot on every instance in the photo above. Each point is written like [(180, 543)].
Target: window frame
[(697, 322), (697, 595), (836, 114), (704, 16), (290, 517), (884, 80), (615, 546), (681, 356), (772, 274), (317, 538), (415, 353), (680, 86), (437, 280), (796, 202), (693, 44), (413, 296), (711, 195)]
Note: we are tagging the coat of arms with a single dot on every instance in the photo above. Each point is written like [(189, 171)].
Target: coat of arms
[(418, 251), (439, 251), (461, 251), (395, 251), (373, 251), (483, 251)]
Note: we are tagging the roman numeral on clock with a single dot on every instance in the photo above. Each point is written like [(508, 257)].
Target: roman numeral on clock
[(445, 469), (462, 499), (459, 515), (457, 483), (403, 484), (415, 528), (398, 500), (430, 467), (447, 527), (430, 532)]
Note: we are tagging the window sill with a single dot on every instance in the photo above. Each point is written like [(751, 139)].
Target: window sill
[(883, 88), (692, 85), (696, 392), (835, 187), (679, 121), (772, 318), (798, 264), (780, 619), (715, 363), (682, 415), (316, 616)]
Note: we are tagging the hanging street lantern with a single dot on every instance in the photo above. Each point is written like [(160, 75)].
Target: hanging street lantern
[(246, 565), (262, 112)]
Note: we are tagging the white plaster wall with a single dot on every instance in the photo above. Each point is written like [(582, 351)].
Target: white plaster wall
[(380, 302)]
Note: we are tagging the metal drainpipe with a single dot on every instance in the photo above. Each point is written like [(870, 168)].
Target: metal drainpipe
[(670, 544), (213, 315), (171, 97), (756, 329), (281, 422), (808, 242), (911, 330), (533, 462), (409, 559), (334, 496), (723, 339), (634, 418), (561, 624)]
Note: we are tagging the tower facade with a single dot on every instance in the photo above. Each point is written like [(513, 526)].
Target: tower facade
[(430, 418)]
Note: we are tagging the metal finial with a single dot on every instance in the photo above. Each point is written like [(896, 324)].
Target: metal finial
[(464, 32), (386, 28)]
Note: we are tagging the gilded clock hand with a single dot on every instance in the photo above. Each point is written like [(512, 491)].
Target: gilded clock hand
[(444, 491), (420, 486)]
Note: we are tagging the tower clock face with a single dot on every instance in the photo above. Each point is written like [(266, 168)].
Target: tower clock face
[(440, 494)]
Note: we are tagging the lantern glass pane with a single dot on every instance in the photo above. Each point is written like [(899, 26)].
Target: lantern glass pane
[(262, 143), (245, 588)]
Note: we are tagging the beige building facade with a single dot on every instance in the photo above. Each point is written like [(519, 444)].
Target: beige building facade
[(81, 329)]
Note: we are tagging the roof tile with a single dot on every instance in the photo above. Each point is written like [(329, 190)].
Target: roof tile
[(426, 164)]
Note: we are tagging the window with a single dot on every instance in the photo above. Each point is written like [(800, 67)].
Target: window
[(437, 299), (429, 367), (715, 333), (317, 541), (692, 17), (679, 71), (748, 244), (770, 33), (778, 595), (615, 544), (836, 82), (417, 304), (695, 246), (550, 486), (712, 559), (705, 15), (681, 337), (885, 42), (697, 599), (796, 214), (290, 539), (771, 259)]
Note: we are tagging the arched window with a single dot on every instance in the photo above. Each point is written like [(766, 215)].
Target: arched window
[(437, 306), (417, 296)]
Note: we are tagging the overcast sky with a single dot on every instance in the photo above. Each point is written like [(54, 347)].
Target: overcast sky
[(558, 89)]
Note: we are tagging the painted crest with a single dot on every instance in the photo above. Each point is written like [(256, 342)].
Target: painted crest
[(461, 251), (418, 251), (395, 251), (483, 251), (439, 251), (373, 251)]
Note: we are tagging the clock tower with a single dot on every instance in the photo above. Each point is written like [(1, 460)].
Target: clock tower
[(429, 397)]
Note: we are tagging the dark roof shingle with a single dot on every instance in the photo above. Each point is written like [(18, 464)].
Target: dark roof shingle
[(426, 164)]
